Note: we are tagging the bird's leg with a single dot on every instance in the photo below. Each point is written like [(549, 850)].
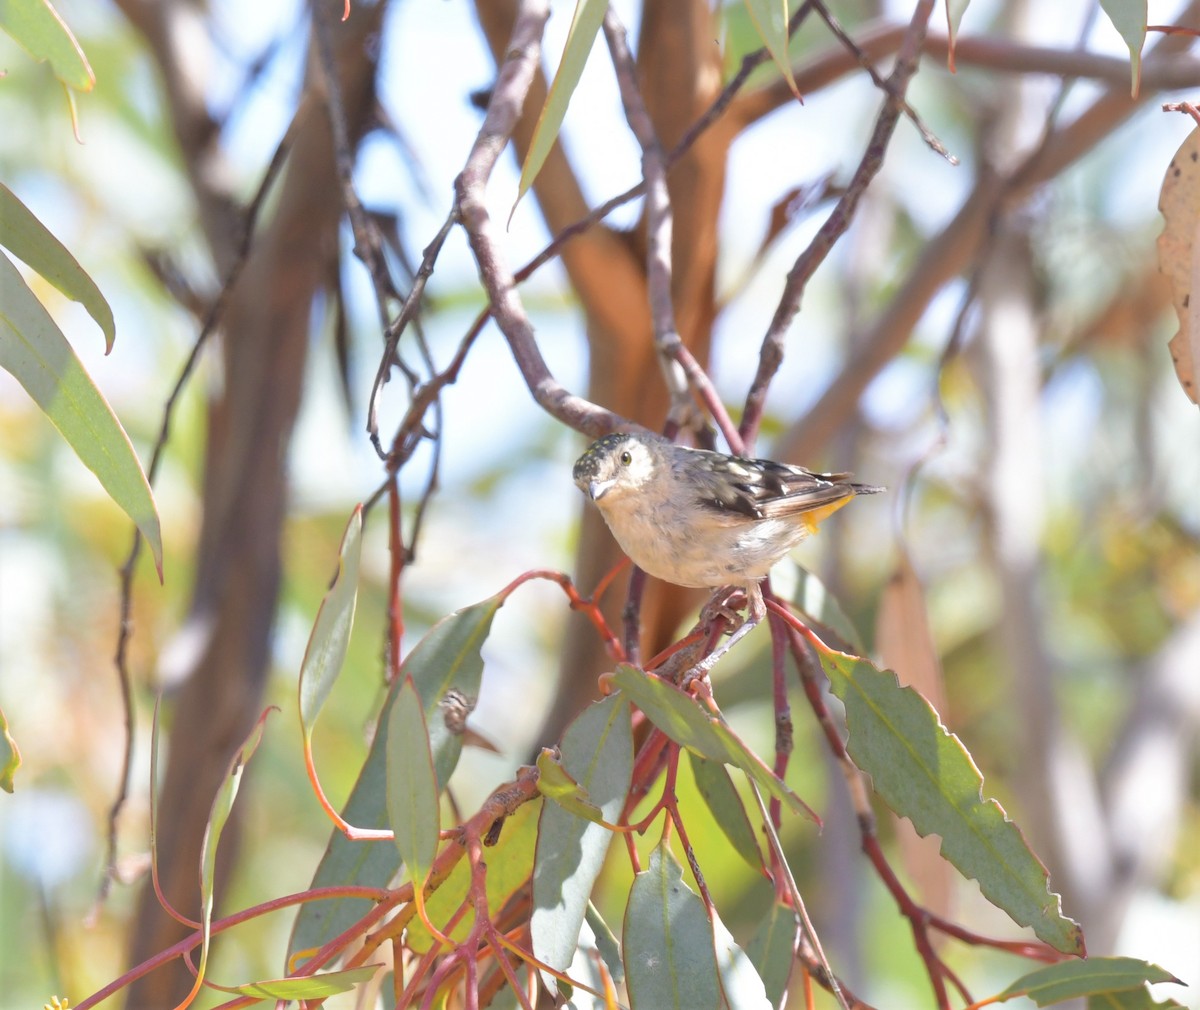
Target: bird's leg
[(756, 610)]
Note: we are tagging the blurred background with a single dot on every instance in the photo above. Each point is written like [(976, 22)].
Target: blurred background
[(989, 339)]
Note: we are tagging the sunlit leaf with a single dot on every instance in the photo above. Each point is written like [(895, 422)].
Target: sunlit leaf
[(34, 350), (924, 773), (556, 783), (589, 14), (222, 807), (668, 942), (1179, 202), (770, 19), (509, 864), (773, 950), (36, 25), (683, 719), (412, 787), (1129, 19), (1072, 979), (312, 987), (727, 808), (326, 651), (10, 756), (34, 244), (597, 752), (446, 667)]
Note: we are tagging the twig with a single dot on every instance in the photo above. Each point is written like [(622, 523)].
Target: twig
[(771, 352)]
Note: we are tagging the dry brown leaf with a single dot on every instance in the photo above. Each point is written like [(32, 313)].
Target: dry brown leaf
[(905, 645), (1179, 202)]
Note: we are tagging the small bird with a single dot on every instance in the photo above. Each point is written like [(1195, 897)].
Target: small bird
[(698, 518)]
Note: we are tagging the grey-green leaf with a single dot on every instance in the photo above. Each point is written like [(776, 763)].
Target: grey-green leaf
[(1129, 19), (773, 951), (34, 350), (722, 799), (589, 14), (326, 651), (682, 718), (1095, 975), (446, 668), (35, 245), (668, 942), (412, 787), (597, 752), (924, 773)]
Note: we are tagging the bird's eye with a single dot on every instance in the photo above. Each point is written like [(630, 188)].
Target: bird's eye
[(626, 458)]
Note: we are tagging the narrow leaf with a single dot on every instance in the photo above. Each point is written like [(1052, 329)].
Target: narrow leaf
[(770, 19), (34, 350), (222, 807), (36, 25), (446, 667), (924, 773), (35, 245), (740, 981), (597, 752), (311, 987), (723, 801), (1129, 19), (668, 944), (1072, 979), (1179, 203), (10, 756), (683, 719), (326, 651), (606, 943), (589, 14), (412, 788), (823, 613), (773, 951)]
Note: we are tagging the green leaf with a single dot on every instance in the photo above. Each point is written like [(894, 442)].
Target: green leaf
[(606, 943), (509, 864), (412, 786), (37, 27), (686, 722), (668, 942), (556, 783), (326, 651), (1129, 19), (10, 756), (1131, 999), (924, 773), (312, 987), (1072, 979), (597, 752), (589, 14), (740, 981), (37, 354), (446, 667), (823, 613), (34, 244), (770, 19), (722, 799), (773, 951), (222, 807)]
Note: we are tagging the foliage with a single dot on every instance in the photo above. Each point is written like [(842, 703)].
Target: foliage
[(599, 873)]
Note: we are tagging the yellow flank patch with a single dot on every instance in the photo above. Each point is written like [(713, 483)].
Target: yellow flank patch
[(813, 519)]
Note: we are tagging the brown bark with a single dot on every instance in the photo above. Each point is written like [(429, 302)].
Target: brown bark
[(265, 337)]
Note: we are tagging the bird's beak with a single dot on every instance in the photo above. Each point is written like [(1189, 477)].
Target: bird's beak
[(598, 488)]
